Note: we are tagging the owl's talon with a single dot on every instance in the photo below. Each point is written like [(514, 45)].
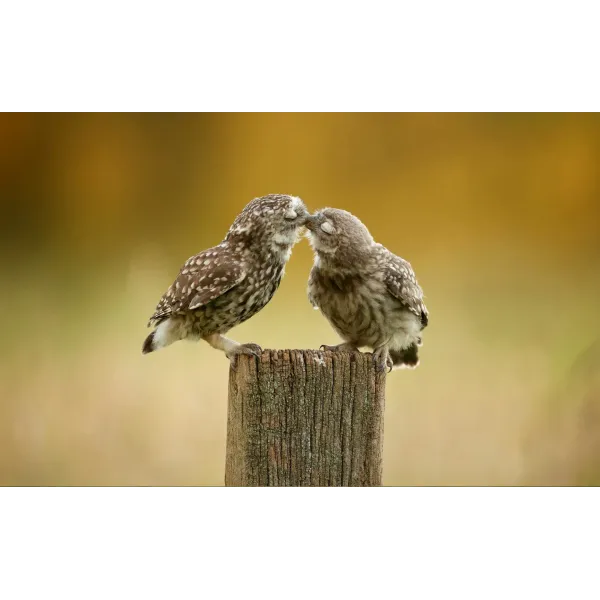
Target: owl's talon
[(248, 349), (253, 349), (382, 360)]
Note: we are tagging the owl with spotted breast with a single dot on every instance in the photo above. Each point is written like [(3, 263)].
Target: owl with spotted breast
[(370, 296), (224, 286)]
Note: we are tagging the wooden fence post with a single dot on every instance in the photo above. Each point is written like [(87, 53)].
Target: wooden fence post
[(305, 418)]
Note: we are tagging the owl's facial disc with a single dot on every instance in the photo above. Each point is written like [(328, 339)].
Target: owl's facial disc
[(321, 233), (296, 214)]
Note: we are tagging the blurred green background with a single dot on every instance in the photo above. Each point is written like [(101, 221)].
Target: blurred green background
[(499, 214)]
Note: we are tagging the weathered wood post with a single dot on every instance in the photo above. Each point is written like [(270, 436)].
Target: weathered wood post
[(305, 418)]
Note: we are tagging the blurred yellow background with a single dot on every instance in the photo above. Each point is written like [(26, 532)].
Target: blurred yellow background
[(499, 215)]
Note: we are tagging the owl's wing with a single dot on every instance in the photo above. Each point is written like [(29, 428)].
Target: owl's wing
[(401, 282), (203, 278)]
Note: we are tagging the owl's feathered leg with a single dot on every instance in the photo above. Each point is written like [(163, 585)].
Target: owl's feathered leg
[(345, 347), (232, 348)]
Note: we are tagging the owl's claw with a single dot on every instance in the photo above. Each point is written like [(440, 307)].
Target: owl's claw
[(253, 349), (248, 349), (382, 360)]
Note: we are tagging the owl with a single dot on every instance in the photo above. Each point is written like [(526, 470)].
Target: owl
[(224, 286), (370, 296)]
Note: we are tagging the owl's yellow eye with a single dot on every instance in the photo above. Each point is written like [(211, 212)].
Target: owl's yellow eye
[(327, 227)]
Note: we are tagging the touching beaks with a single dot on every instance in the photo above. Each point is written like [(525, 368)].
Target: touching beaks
[(311, 222)]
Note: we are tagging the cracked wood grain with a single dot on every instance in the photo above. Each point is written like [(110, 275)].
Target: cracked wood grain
[(305, 418)]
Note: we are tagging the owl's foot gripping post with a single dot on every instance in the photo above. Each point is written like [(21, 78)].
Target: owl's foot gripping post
[(382, 359), (232, 348)]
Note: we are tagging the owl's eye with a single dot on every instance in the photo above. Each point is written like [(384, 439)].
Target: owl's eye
[(327, 227), (290, 215)]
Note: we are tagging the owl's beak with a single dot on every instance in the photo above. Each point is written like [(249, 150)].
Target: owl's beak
[(311, 222)]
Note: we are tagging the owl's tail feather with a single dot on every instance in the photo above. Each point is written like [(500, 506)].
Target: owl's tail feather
[(165, 334), (406, 358), (149, 344)]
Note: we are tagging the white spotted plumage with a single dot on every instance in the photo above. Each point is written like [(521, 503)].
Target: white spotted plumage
[(225, 285)]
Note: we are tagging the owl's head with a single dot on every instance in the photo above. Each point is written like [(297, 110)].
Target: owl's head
[(273, 220), (336, 233)]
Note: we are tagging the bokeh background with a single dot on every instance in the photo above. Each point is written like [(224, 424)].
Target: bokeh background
[(499, 214)]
